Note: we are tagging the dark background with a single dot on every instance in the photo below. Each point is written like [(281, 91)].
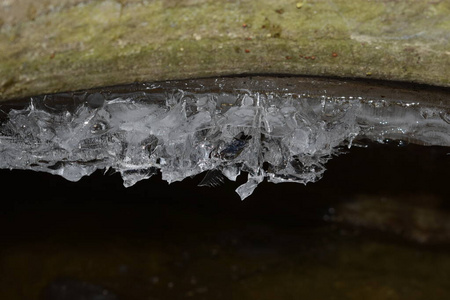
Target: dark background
[(149, 241)]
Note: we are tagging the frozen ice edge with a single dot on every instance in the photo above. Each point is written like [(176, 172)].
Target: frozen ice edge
[(186, 128)]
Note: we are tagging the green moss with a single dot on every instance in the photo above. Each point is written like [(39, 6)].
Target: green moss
[(107, 42)]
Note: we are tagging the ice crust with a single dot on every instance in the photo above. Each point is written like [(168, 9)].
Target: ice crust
[(280, 137)]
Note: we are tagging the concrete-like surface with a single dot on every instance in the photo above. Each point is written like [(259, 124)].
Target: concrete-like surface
[(50, 46)]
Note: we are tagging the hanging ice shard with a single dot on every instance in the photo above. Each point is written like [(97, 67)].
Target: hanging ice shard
[(279, 129)]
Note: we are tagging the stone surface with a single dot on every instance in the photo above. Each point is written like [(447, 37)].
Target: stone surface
[(53, 46)]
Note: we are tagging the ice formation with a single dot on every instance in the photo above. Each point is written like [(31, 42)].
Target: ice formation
[(181, 130)]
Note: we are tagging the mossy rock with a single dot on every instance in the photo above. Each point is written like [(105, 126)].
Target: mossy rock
[(65, 45)]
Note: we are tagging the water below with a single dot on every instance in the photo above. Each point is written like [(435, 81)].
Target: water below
[(376, 226)]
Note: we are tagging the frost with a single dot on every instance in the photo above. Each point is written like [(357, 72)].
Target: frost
[(182, 131)]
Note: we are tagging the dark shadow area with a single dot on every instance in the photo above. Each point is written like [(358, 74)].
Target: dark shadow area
[(51, 228)]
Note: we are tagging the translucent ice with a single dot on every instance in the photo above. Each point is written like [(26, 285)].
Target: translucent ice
[(278, 135)]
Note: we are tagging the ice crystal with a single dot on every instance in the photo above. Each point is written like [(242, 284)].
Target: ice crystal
[(279, 135)]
